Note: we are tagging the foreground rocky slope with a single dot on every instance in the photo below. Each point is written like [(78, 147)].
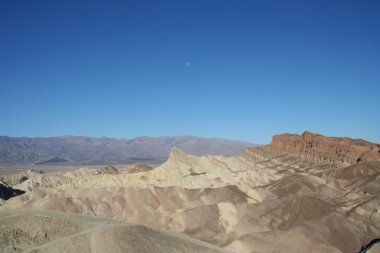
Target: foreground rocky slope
[(43, 231), (266, 201)]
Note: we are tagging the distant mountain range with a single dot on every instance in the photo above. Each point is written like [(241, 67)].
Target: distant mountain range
[(91, 150)]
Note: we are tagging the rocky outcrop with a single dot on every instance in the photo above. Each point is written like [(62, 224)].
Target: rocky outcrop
[(139, 167), (109, 170), (18, 178), (320, 148), (7, 192)]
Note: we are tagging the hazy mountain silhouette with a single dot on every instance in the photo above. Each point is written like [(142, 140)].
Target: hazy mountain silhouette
[(91, 150)]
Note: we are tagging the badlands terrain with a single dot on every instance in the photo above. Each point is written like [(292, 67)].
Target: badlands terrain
[(301, 193)]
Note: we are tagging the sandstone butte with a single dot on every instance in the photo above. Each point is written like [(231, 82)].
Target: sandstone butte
[(322, 149)]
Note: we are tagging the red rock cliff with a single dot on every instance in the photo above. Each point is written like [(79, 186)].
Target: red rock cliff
[(324, 149)]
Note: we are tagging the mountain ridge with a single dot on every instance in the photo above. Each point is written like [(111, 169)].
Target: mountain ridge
[(106, 150)]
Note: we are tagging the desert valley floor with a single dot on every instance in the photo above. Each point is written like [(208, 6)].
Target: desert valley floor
[(301, 193)]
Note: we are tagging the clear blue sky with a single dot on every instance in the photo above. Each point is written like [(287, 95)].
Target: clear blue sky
[(232, 69)]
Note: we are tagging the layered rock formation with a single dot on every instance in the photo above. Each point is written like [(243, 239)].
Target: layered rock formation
[(323, 149), (266, 201)]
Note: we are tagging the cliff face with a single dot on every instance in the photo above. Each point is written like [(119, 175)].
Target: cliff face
[(324, 149)]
